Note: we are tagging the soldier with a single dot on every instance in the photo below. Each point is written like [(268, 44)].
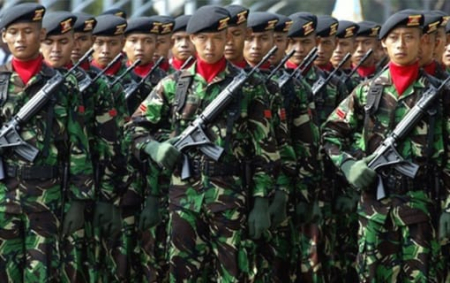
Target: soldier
[(397, 238), (237, 32), (366, 38), (441, 38), (208, 210), (280, 38), (326, 33), (446, 55), (164, 41), (31, 196), (182, 47), (432, 21)]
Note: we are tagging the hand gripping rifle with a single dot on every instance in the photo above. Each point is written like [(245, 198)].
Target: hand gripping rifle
[(133, 87), (9, 132), (307, 61), (194, 135), (363, 59), (387, 155), (321, 82), (101, 73)]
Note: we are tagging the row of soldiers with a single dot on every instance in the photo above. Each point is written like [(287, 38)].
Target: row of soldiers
[(155, 149)]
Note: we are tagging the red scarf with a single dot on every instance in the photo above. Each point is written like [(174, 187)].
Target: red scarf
[(291, 65), (431, 68), (176, 64), (365, 72), (210, 71), (165, 65), (141, 70), (85, 65), (27, 69), (265, 66), (241, 64), (403, 76), (328, 67), (111, 71), (69, 65)]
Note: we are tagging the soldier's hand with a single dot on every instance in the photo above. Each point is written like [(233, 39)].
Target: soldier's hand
[(150, 214), (277, 209), (164, 153), (259, 220), (358, 174), (74, 218), (107, 217), (444, 226)]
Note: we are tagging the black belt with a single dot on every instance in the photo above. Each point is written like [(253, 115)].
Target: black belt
[(214, 169), (32, 172)]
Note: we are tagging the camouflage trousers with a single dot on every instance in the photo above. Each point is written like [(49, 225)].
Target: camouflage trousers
[(29, 247), (153, 246), (194, 236), (392, 253)]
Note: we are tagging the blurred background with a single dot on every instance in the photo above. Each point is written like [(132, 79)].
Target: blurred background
[(356, 10)]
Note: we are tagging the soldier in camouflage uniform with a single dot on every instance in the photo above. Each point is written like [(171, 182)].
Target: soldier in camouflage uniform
[(397, 238), (208, 211), (164, 41), (182, 47), (32, 197), (141, 37)]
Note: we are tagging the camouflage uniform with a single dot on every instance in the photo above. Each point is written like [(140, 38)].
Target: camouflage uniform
[(397, 237), (207, 212), (31, 205)]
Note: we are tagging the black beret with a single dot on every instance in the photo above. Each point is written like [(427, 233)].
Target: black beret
[(445, 17), (326, 26), (347, 29), (110, 25), (181, 23), (368, 28), (238, 14), (303, 24), (26, 12), (431, 22), (142, 25), (406, 18), (208, 18), (167, 23), (84, 22), (58, 22), (284, 23), (262, 21), (116, 12)]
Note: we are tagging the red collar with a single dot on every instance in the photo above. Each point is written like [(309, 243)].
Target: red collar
[(291, 65), (265, 66), (365, 72), (69, 65), (431, 68), (403, 76), (241, 64), (27, 69), (141, 70), (165, 65), (111, 71), (210, 71), (85, 65), (327, 67), (176, 64)]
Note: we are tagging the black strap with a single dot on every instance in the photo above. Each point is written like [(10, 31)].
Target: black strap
[(183, 83), (4, 85)]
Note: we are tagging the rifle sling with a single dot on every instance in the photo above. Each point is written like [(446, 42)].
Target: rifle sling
[(4, 85)]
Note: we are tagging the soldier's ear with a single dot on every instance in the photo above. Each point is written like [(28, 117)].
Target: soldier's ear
[(383, 43), (3, 35)]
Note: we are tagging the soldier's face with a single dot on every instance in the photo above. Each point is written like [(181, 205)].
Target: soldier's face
[(441, 42), (363, 44), (164, 44), (182, 47), (210, 45), (140, 46), (234, 50), (257, 45), (302, 46), (23, 40), (427, 48), (344, 46), (325, 50), (82, 42), (57, 49), (106, 48), (403, 45), (446, 56), (281, 41)]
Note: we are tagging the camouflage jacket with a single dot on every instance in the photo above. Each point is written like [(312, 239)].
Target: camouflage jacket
[(248, 136), (339, 140), (58, 132)]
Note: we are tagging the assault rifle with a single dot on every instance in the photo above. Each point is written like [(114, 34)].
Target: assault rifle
[(133, 87), (82, 59), (9, 132), (281, 64), (321, 82), (307, 61), (101, 73), (194, 135), (129, 69), (363, 59), (387, 155)]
